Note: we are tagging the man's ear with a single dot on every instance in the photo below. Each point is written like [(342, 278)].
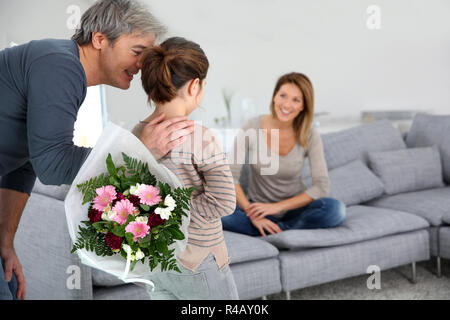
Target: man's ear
[(99, 40), (193, 86)]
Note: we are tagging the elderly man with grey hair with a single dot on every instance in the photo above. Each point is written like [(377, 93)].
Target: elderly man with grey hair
[(42, 86)]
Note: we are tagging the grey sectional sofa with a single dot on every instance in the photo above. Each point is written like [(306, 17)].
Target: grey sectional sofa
[(380, 229)]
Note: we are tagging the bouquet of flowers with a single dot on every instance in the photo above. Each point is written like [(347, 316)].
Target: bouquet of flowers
[(134, 209), (132, 215)]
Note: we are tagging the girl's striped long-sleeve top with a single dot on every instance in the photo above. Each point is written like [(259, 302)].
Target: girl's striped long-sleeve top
[(201, 163)]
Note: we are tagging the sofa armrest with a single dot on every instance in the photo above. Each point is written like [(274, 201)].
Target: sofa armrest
[(43, 246)]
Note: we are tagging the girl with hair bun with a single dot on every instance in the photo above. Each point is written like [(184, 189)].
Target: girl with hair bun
[(173, 76)]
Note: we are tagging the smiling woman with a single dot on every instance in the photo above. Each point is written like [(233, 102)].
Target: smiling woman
[(281, 201)]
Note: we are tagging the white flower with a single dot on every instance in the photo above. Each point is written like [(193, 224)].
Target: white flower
[(134, 190), (142, 219), (164, 213), (169, 202), (139, 255), (109, 214)]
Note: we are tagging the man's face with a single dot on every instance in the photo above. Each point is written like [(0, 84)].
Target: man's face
[(121, 61)]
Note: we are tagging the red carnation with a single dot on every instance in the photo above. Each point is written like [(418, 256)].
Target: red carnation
[(119, 197), (134, 200), (113, 241), (94, 215), (155, 220)]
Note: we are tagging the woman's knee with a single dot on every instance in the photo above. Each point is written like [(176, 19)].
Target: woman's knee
[(336, 211), (231, 220)]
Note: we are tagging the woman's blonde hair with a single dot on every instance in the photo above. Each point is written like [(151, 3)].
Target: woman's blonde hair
[(303, 122)]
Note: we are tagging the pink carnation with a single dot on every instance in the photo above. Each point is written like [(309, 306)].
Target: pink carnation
[(149, 195), (138, 229), (104, 197), (123, 209)]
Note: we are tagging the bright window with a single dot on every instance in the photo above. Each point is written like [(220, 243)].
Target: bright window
[(91, 118)]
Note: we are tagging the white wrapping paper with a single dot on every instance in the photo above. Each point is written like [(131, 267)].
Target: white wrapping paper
[(115, 140)]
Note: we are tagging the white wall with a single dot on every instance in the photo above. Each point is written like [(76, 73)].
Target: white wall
[(250, 43)]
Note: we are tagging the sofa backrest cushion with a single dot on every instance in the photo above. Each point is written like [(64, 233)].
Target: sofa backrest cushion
[(428, 130), (355, 143), (408, 170), (354, 183)]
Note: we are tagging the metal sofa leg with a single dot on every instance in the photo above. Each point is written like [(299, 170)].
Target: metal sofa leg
[(438, 258), (438, 262), (288, 295), (414, 275)]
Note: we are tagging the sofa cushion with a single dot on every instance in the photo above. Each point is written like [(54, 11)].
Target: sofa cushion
[(354, 183), (430, 204), (361, 223), (446, 218), (241, 248), (347, 145), (408, 169), (43, 246), (57, 192), (103, 279), (428, 130), (305, 268), (257, 278), (123, 292)]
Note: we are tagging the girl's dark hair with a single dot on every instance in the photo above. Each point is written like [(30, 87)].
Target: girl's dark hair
[(169, 66)]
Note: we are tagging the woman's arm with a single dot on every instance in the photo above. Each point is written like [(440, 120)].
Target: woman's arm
[(295, 202), (241, 199), (319, 172), (258, 210), (319, 189)]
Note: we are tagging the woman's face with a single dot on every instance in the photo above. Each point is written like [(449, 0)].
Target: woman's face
[(288, 102)]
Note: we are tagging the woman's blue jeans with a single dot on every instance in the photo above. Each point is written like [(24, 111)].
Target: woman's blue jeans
[(321, 213)]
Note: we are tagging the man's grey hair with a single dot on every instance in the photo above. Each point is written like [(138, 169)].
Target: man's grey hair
[(115, 18)]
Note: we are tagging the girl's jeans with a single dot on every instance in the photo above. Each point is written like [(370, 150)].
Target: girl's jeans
[(206, 283), (321, 213)]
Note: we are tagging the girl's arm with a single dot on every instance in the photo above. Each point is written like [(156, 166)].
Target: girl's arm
[(218, 197)]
